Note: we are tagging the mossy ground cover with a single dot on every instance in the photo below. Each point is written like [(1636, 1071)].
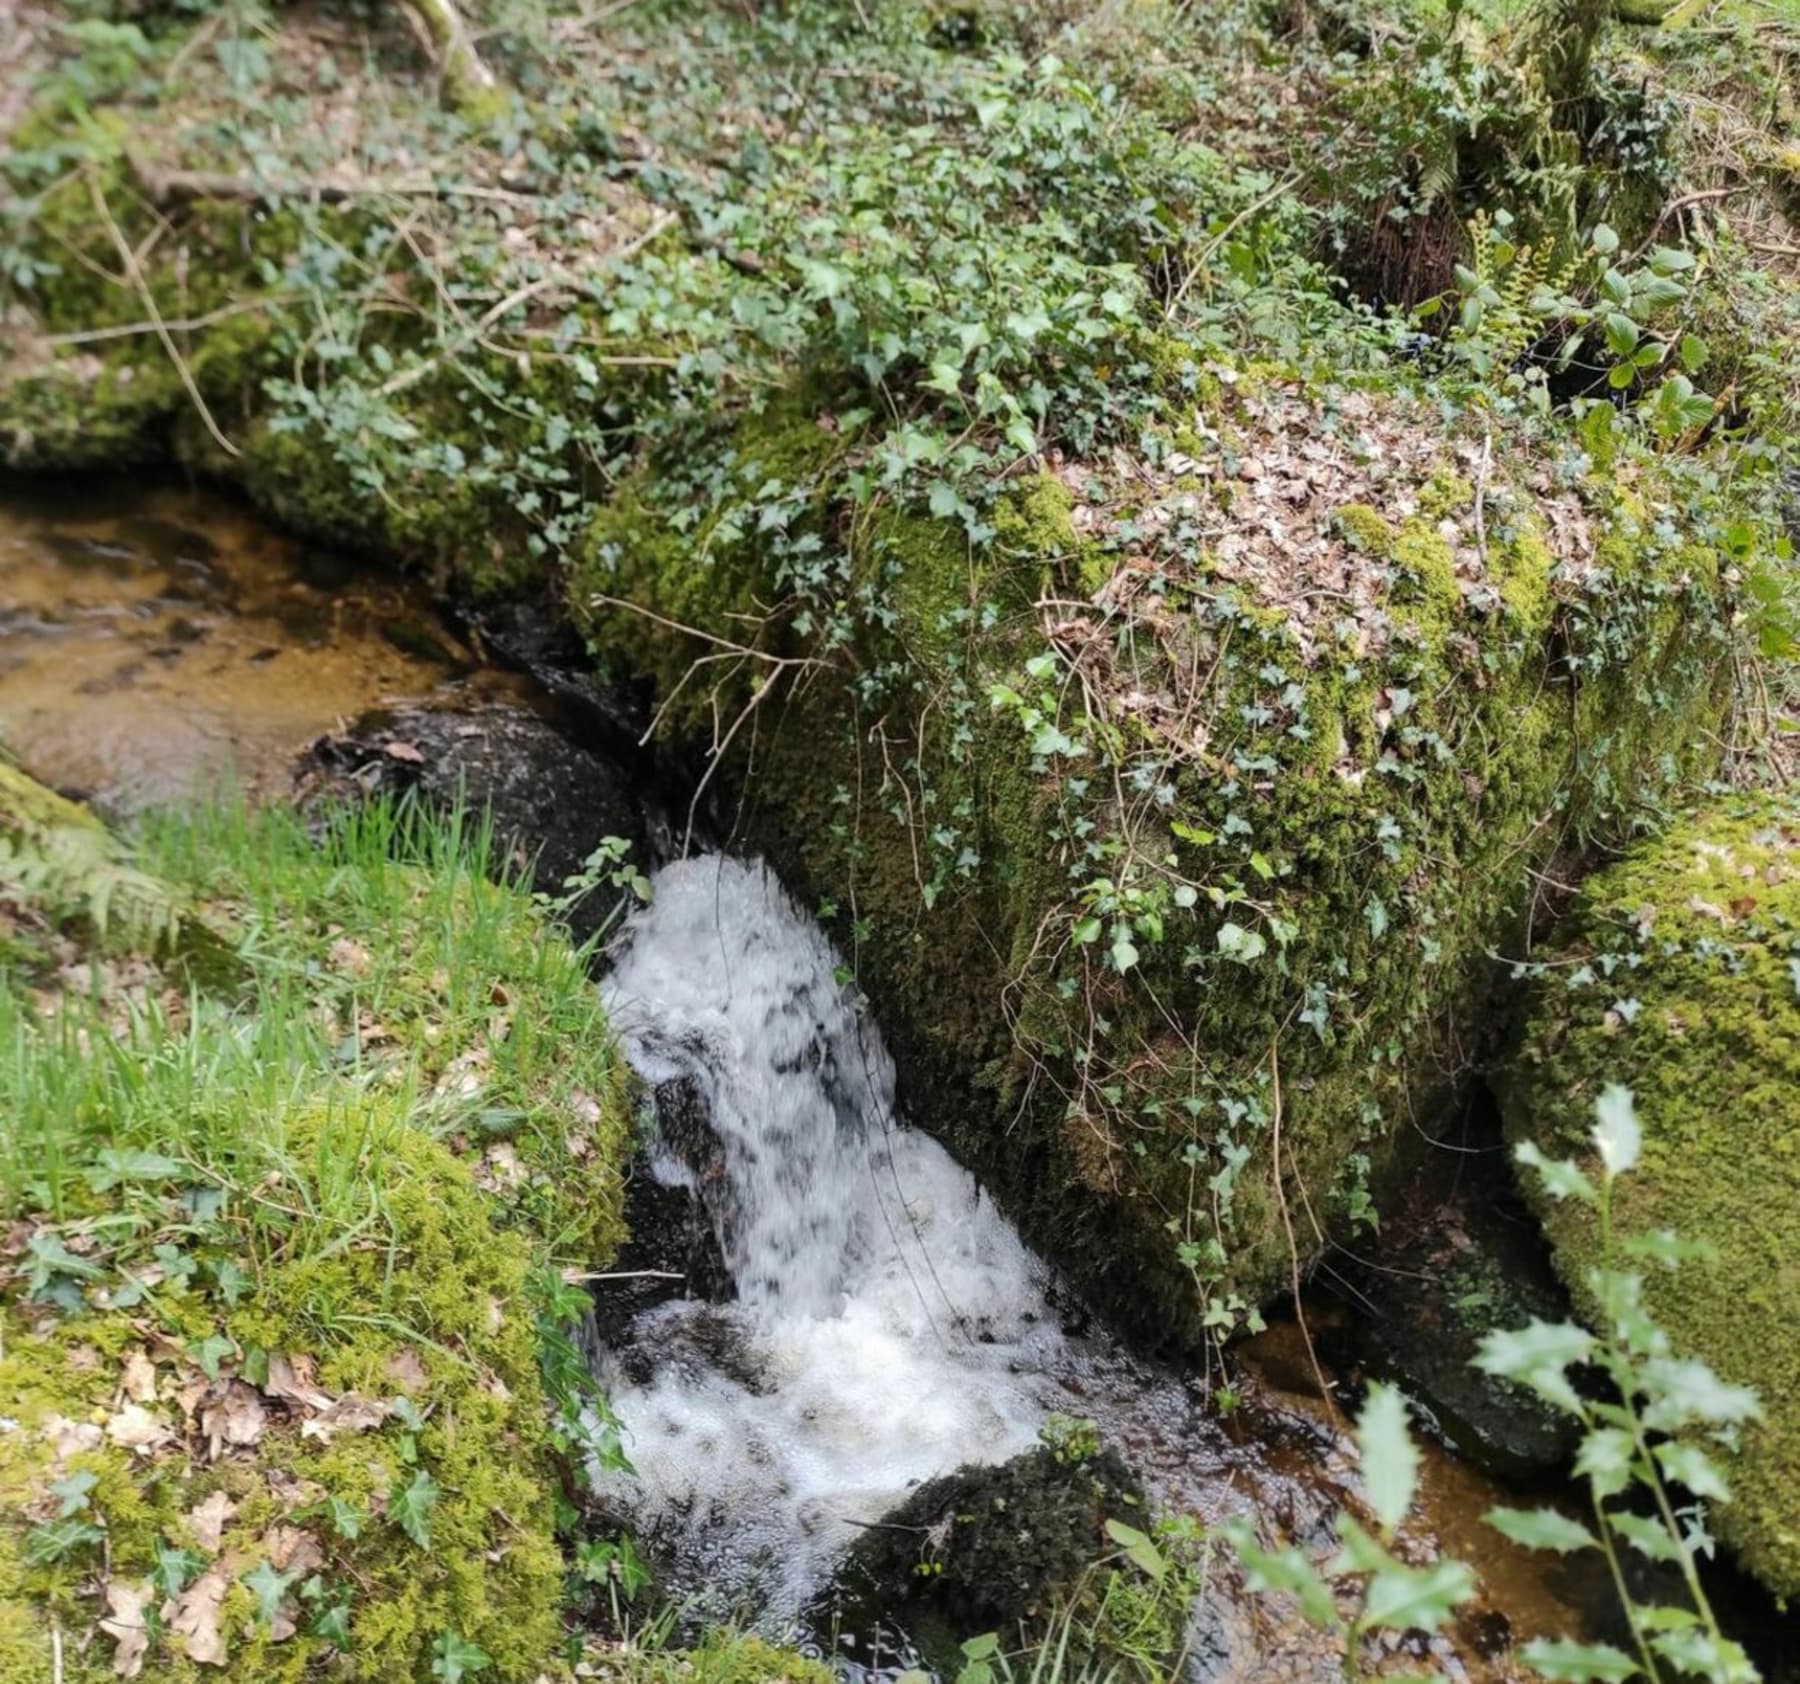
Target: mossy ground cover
[(1168, 669), (1677, 977), (285, 1376)]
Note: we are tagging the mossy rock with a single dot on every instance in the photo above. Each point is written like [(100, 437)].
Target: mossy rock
[(1679, 977), (994, 1548), (1349, 722)]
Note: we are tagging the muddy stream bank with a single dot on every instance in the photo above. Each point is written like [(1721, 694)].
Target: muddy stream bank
[(159, 643)]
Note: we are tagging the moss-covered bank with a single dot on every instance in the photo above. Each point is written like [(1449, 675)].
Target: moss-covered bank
[(1169, 687), (1677, 977), (285, 1378)]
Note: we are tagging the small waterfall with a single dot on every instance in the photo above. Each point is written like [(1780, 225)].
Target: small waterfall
[(889, 1325)]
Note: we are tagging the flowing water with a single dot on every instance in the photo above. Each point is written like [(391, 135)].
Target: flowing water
[(888, 1325), (158, 642)]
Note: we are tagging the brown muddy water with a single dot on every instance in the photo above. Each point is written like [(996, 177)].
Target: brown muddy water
[(159, 641)]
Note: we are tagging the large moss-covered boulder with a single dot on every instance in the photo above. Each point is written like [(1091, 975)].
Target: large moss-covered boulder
[(1679, 976)]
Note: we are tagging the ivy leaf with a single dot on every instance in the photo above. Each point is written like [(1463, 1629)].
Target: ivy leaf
[(1245, 946), (346, 1518), (1617, 1134), (1390, 1460), (1565, 1662), (72, 1493), (1541, 1529), (333, 1624), (454, 1658), (269, 1588), (210, 1352), (412, 1508), (174, 1571), (1403, 1598), (1138, 1548)]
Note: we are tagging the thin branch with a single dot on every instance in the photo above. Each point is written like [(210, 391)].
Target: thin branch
[(134, 276)]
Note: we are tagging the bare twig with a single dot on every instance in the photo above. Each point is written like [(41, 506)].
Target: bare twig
[(134, 277)]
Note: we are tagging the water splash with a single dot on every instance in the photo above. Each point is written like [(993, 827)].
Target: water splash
[(889, 1325)]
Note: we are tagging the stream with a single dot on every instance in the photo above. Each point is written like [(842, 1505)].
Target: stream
[(865, 1318)]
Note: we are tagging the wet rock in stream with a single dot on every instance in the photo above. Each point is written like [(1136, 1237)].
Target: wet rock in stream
[(551, 799), (993, 1548), (1457, 1258)]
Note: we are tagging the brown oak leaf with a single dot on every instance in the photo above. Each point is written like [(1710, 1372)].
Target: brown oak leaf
[(195, 1617), (124, 1624), (207, 1520)]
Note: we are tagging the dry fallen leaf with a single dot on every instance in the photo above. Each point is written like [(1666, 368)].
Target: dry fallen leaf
[(195, 1617), (233, 1415), (124, 1624), (291, 1549), (135, 1428), (70, 1438), (350, 1414), (351, 956), (207, 1521), (404, 751), (291, 1381), (139, 1376), (406, 1369)]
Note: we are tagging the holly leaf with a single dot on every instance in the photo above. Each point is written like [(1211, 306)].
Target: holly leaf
[(1563, 1661), (1285, 1570), (1617, 1133), (1537, 1356), (1648, 1537), (1402, 1598), (1541, 1529), (1560, 1177), (1605, 1459), (1390, 1460)]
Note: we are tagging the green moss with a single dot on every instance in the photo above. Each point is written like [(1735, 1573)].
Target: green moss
[(365, 1249), (1366, 528), (1675, 977)]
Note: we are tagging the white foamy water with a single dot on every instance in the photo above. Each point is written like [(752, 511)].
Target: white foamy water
[(889, 1326)]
